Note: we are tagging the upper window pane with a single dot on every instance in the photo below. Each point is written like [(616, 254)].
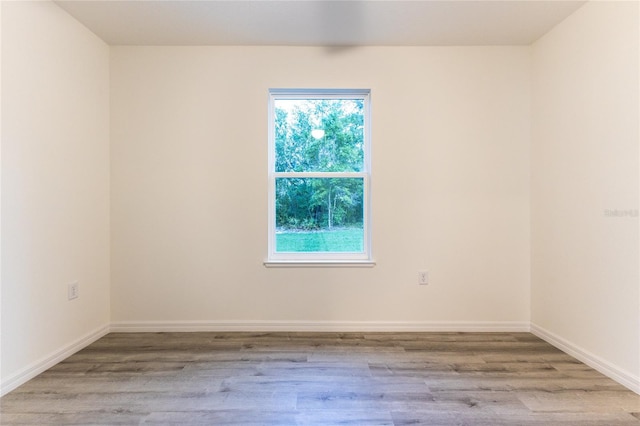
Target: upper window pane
[(319, 135)]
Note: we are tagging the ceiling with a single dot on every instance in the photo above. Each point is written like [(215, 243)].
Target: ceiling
[(319, 22)]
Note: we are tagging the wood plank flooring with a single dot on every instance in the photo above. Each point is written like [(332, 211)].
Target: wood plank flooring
[(321, 379)]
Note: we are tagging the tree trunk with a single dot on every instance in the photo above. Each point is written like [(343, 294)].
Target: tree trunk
[(330, 209)]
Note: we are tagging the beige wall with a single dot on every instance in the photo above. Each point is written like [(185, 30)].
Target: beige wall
[(55, 185), (1, 197), (450, 186), (584, 166)]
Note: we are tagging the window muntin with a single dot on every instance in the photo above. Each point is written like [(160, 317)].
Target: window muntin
[(319, 175)]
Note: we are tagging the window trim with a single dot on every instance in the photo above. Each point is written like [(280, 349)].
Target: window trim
[(320, 259)]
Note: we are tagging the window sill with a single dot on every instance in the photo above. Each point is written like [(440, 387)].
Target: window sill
[(319, 263)]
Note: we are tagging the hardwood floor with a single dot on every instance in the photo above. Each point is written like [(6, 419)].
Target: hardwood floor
[(321, 379)]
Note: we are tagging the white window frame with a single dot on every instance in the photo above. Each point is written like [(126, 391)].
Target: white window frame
[(301, 259)]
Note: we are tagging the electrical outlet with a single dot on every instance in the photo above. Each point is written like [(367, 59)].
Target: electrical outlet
[(423, 277), (73, 291)]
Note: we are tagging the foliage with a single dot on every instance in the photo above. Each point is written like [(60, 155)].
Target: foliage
[(308, 203)]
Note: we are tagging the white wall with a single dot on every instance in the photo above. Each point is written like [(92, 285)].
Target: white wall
[(584, 166), (450, 187), (55, 186), (0, 196)]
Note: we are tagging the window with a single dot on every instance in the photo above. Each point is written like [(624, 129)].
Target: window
[(319, 177)]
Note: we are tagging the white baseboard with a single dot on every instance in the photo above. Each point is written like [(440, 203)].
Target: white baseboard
[(321, 326), (623, 377), (32, 370)]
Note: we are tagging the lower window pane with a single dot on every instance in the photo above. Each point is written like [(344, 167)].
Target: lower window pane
[(319, 215)]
